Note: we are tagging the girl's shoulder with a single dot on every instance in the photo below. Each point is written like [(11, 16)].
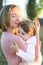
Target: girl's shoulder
[(31, 40)]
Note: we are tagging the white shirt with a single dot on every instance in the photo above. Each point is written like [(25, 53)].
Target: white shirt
[(29, 55)]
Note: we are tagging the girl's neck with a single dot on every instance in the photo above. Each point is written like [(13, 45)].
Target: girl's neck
[(29, 36)]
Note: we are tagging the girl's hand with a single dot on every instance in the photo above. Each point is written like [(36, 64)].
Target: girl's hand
[(37, 24), (13, 46)]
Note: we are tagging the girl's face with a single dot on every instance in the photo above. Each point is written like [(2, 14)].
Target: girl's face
[(21, 31), (23, 34), (15, 17)]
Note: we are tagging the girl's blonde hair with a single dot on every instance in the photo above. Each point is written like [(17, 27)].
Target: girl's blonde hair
[(26, 24)]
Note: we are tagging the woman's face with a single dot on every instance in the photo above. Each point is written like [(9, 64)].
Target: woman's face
[(15, 17)]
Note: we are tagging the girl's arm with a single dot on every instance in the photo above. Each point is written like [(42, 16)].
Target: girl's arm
[(24, 55), (37, 48), (37, 26)]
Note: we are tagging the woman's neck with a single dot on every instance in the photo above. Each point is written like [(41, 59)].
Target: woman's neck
[(10, 30), (13, 30)]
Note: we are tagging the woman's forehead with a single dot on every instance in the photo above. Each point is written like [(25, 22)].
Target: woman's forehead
[(15, 9)]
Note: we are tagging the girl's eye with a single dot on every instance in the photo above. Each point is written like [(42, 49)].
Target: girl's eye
[(18, 31), (23, 34)]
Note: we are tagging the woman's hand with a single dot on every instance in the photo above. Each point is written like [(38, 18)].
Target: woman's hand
[(23, 63), (13, 46)]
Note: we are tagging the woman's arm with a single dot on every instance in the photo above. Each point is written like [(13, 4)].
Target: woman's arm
[(21, 52), (18, 40), (24, 55)]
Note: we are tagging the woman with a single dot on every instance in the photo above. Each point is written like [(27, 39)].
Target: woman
[(10, 18)]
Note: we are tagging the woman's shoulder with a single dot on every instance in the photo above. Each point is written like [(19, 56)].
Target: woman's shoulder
[(9, 37)]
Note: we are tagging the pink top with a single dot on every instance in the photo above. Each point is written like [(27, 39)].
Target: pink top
[(10, 54)]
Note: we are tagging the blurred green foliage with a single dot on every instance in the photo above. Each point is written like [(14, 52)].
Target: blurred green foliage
[(33, 8), (2, 58)]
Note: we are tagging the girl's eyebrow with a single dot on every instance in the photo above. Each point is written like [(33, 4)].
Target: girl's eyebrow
[(18, 31), (23, 33)]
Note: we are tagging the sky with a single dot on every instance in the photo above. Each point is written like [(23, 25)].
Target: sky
[(37, 1), (41, 14), (22, 4)]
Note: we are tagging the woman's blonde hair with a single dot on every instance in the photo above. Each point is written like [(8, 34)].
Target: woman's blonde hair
[(4, 16)]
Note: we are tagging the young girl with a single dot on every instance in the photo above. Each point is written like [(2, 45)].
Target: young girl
[(28, 34)]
